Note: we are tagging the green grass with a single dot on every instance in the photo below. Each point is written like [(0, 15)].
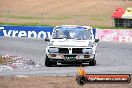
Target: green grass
[(35, 17), (38, 24), (23, 24), (19, 17), (107, 27), (57, 17), (34, 23)]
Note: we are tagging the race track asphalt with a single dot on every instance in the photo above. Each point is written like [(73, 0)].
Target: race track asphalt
[(112, 57)]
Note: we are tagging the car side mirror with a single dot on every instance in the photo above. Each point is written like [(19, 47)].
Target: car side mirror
[(96, 40), (47, 39)]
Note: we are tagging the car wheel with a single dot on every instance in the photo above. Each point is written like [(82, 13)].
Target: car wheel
[(92, 63), (54, 63), (48, 63)]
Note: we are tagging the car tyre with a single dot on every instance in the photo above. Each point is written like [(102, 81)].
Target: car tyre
[(54, 63), (48, 63), (93, 62)]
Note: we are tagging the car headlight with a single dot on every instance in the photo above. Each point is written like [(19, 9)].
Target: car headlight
[(87, 51), (53, 50)]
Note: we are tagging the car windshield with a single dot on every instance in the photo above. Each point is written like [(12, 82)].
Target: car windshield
[(72, 34)]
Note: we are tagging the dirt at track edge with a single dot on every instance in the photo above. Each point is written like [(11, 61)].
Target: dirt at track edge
[(51, 82)]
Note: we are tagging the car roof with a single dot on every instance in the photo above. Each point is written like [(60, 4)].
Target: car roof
[(76, 27)]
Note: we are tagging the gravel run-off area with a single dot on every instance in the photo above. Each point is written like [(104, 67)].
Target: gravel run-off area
[(51, 82)]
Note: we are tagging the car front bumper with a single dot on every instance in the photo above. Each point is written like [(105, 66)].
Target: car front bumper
[(71, 57)]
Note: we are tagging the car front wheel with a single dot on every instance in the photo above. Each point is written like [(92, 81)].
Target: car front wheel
[(93, 62), (49, 63)]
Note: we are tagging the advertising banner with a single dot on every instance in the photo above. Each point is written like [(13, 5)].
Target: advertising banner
[(114, 35), (26, 31)]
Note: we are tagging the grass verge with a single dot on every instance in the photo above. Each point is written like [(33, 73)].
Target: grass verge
[(38, 24), (24, 24)]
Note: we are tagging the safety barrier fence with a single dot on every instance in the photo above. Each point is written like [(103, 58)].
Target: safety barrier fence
[(124, 35), (117, 35)]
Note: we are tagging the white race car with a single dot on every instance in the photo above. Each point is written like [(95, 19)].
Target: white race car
[(71, 44)]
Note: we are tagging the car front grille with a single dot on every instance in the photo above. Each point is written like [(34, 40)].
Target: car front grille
[(63, 50), (74, 50), (77, 50)]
